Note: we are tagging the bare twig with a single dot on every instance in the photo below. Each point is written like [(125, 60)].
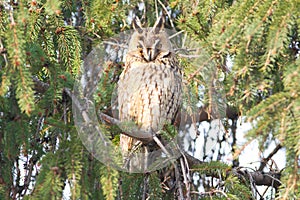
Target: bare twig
[(252, 185), (3, 52), (145, 10), (186, 180), (177, 174), (158, 142), (146, 185), (188, 56), (178, 183), (184, 40), (32, 162), (177, 33), (266, 160), (116, 44), (166, 10), (156, 9)]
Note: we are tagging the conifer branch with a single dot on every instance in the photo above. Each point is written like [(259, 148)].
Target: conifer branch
[(266, 160), (271, 178), (211, 193), (3, 52), (133, 132), (39, 86), (259, 177), (129, 131), (145, 187), (164, 150)]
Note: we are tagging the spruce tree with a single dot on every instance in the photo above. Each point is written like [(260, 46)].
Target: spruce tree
[(254, 46)]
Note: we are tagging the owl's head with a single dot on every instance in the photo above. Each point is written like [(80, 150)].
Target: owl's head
[(149, 41)]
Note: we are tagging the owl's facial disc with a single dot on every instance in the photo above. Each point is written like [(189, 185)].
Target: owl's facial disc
[(151, 50)]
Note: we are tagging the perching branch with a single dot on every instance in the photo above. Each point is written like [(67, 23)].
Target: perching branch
[(129, 130)]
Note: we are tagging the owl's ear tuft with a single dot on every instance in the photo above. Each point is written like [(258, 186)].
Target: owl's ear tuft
[(159, 25), (136, 24)]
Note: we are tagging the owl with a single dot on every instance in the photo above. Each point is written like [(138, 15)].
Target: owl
[(150, 86)]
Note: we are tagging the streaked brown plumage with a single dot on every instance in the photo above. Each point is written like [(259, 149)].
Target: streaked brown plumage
[(149, 89)]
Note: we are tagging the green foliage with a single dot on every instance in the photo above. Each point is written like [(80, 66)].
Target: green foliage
[(131, 186), (43, 43), (156, 191), (52, 6), (197, 18), (69, 48), (100, 15), (50, 181), (90, 178), (105, 96), (109, 181), (74, 169), (213, 167), (260, 39), (18, 70), (234, 188)]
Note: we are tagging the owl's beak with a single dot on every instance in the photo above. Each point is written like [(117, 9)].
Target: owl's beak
[(149, 54)]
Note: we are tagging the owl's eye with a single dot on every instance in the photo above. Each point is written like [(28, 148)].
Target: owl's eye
[(158, 46), (140, 45)]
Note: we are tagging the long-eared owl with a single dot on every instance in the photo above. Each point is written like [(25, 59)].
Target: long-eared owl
[(150, 86)]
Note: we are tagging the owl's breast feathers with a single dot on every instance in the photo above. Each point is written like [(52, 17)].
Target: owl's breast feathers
[(149, 93)]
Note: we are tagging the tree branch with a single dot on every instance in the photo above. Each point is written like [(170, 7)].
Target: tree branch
[(259, 177), (39, 86), (271, 178), (129, 130), (266, 160), (265, 178)]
